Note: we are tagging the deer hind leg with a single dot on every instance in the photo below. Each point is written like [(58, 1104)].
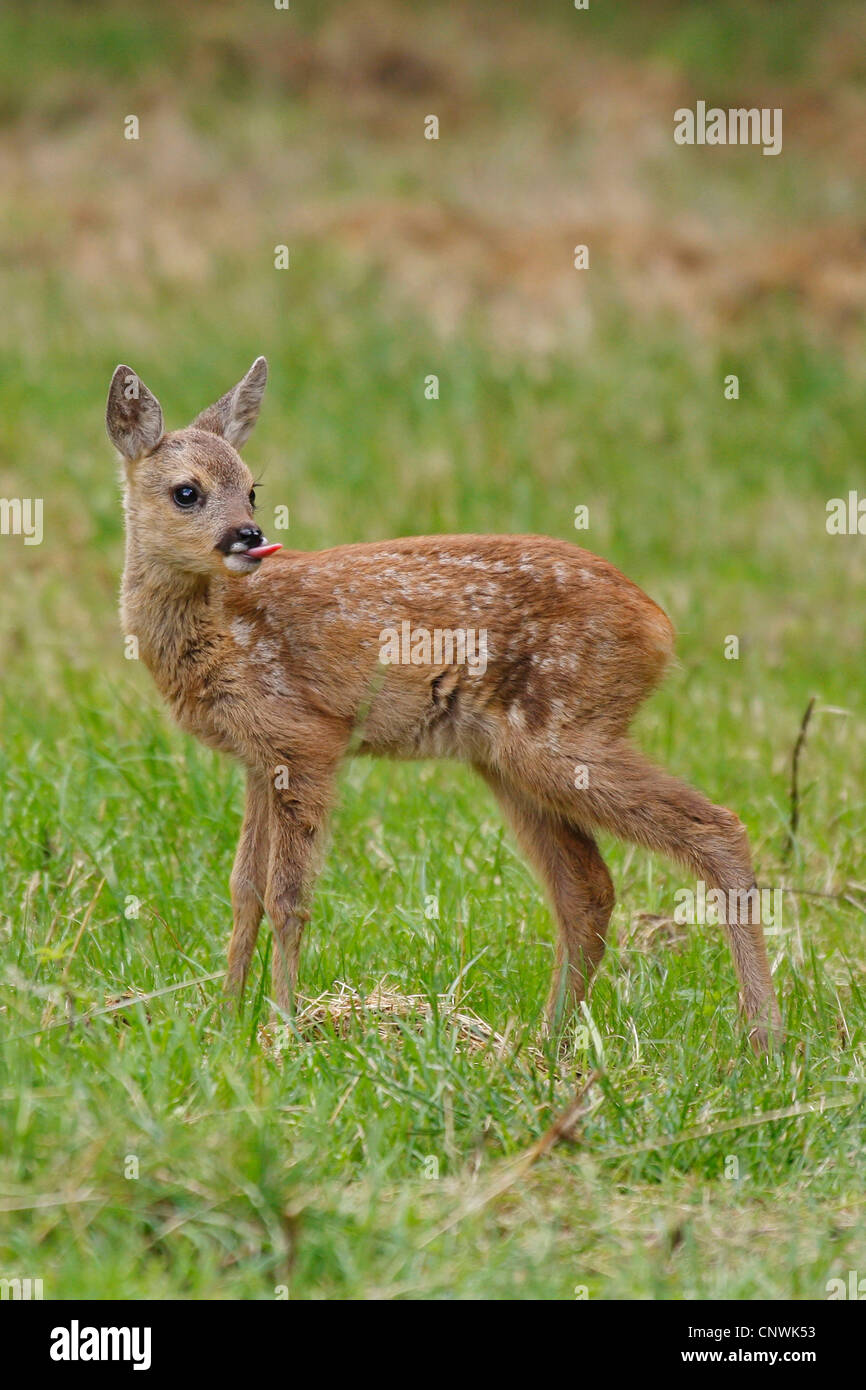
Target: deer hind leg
[(636, 801), (567, 860), (248, 882)]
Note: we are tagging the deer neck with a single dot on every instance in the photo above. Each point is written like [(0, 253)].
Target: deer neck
[(175, 619)]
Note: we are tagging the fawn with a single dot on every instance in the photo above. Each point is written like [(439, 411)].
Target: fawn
[(285, 665)]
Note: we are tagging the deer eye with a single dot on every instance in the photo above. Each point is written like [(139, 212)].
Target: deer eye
[(186, 495), (253, 498)]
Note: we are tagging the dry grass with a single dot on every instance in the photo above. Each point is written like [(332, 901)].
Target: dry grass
[(344, 1010), (482, 222)]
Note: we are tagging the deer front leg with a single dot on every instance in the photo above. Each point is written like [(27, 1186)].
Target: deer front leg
[(297, 823), (248, 882)]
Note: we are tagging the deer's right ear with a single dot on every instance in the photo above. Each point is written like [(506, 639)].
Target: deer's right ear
[(133, 415)]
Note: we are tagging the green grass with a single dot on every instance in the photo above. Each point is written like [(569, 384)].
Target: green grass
[(305, 1166)]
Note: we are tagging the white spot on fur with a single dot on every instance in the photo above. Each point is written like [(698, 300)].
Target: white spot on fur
[(275, 682), (559, 711), (266, 654)]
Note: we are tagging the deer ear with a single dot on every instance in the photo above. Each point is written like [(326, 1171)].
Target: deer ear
[(235, 413), (133, 415)]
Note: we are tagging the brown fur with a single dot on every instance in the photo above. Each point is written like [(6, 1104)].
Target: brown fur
[(280, 667)]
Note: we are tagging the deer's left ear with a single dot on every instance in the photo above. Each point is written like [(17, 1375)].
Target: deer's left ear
[(235, 413)]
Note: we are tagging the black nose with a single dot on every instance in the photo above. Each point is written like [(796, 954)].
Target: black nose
[(251, 534), (240, 538)]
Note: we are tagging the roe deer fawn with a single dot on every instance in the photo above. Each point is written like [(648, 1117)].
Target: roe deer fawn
[(283, 666)]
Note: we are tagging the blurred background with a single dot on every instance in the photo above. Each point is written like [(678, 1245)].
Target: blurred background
[(261, 128), (305, 128)]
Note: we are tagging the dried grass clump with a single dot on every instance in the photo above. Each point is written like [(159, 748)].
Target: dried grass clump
[(650, 931), (339, 1010)]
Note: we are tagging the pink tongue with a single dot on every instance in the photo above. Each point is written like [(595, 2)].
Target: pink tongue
[(260, 551)]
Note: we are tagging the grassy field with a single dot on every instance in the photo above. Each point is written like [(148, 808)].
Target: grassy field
[(169, 1148)]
